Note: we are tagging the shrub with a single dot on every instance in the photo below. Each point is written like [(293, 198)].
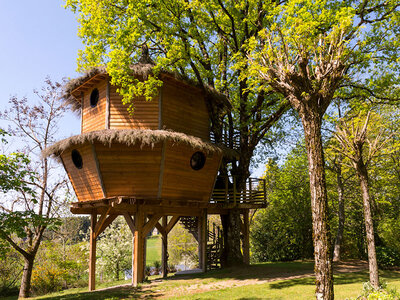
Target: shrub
[(46, 279), (387, 257)]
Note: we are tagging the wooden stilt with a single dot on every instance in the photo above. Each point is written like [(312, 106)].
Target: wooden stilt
[(132, 227), (203, 241), (138, 273), (164, 252), (246, 237), (92, 257)]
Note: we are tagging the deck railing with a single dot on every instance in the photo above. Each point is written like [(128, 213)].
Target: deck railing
[(226, 191), (233, 143)]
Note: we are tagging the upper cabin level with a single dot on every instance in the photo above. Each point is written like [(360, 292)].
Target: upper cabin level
[(178, 106)]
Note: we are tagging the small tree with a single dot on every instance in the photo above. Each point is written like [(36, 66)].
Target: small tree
[(115, 249), (34, 190), (360, 143)]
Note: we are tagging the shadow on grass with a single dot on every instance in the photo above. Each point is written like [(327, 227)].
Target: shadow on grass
[(118, 292), (262, 271)]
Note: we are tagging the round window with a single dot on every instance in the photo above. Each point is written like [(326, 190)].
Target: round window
[(198, 161), (94, 97), (77, 159)]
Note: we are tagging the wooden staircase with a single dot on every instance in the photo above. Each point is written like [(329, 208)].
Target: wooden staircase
[(215, 245), (214, 240)]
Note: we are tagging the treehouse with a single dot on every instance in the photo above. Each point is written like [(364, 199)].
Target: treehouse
[(155, 167)]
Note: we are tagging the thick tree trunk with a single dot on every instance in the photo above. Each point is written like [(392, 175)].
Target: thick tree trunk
[(341, 213), (232, 254), (369, 225), (25, 289), (319, 206)]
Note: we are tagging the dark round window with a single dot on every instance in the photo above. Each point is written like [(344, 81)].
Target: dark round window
[(198, 161), (94, 97), (77, 159)]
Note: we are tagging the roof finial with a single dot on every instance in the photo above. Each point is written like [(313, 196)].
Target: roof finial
[(145, 57)]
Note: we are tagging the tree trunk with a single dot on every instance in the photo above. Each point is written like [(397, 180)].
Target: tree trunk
[(369, 225), (319, 206), (339, 233), (25, 289), (232, 254)]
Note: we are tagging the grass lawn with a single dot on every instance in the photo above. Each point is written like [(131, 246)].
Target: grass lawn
[(153, 252), (236, 283)]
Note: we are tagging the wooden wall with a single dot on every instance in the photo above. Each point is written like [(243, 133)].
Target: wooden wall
[(136, 171), (184, 110), (85, 181), (94, 118), (181, 181), (145, 115), (130, 171)]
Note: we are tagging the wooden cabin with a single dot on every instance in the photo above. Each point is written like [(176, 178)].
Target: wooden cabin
[(154, 167)]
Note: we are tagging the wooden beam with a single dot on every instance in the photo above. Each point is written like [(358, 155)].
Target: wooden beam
[(164, 249), (130, 222), (151, 223), (92, 253), (107, 121), (103, 189), (161, 176), (106, 223), (171, 223), (100, 222), (203, 241), (246, 237), (160, 228), (138, 273)]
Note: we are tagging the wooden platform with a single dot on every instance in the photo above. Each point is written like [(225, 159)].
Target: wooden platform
[(119, 205)]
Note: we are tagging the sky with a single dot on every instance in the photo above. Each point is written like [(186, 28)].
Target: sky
[(38, 39)]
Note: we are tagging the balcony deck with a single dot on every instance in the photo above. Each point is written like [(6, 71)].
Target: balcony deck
[(222, 200)]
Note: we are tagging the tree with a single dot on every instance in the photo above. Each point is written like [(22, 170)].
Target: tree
[(312, 53), (283, 230), (200, 40), (115, 249), (360, 144), (34, 191)]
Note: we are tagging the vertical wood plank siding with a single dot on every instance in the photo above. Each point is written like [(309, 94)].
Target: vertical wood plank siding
[(184, 111), (145, 115), (85, 181)]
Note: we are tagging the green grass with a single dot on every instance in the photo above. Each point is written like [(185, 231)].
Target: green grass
[(179, 286), (153, 252)]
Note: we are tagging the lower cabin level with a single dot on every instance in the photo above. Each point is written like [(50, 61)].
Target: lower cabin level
[(143, 215)]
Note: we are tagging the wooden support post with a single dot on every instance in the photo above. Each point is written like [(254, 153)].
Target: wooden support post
[(203, 241), (246, 237), (234, 190), (250, 191), (164, 250), (92, 253), (132, 227), (138, 272)]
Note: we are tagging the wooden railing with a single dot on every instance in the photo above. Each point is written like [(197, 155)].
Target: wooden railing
[(226, 191), (233, 143)]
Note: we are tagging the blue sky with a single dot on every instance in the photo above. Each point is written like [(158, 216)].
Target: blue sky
[(38, 39)]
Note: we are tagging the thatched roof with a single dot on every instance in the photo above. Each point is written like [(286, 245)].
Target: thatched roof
[(142, 70), (130, 137)]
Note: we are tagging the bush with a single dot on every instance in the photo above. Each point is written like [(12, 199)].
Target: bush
[(387, 257), (46, 279), (382, 293)]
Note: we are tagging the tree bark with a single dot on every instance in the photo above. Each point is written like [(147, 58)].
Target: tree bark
[(341, 212), (25, 289), (369, 225), (319, 205), (232, 254)]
